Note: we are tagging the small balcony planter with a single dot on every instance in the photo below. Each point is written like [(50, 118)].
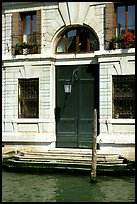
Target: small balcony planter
[(128, 39), (26, 48), (123, 41)]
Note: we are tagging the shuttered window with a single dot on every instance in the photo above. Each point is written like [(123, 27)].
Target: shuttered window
[(109, 23), (26, 32)]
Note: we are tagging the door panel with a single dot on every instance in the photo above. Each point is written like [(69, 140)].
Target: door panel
[(74, 111), (66, 122), (85, 110)]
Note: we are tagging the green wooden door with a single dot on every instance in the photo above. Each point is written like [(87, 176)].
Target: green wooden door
[(74, 111)]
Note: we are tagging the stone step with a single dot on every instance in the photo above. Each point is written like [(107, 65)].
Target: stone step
[(63, 162), (70, 160), (64, 153), (82, 155), (66, 157)]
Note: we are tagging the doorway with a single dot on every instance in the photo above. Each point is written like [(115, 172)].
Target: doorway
[(74, 111)]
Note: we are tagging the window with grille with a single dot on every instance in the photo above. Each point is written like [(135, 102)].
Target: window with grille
[(123, 96), (28, 98)]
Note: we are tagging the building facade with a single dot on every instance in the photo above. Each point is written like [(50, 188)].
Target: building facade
[(89, 46)]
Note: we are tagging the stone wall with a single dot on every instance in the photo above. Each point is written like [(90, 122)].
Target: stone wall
[(55, 17)]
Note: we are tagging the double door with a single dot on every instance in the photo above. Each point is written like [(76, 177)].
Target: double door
[(74, 111)]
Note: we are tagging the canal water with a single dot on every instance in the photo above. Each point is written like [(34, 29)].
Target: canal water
[(64, 187)]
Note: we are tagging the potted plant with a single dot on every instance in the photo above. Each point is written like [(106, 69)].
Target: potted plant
[(33, 48), (26, 48), (126, 40), (19, 48), (116, 42)]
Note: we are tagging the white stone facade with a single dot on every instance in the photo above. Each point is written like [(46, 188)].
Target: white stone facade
[(115, 134)]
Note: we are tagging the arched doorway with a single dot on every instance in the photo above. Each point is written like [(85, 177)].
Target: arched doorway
[(74, 111)]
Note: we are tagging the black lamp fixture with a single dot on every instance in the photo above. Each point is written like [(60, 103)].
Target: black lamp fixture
[(69, 83), (67, 86)]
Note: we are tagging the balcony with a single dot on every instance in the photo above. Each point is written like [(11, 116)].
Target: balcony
[(24, 44), (124, 41), (26, 48)]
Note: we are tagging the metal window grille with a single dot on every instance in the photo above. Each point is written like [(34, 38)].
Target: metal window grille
[(28, 98), (123, 96)]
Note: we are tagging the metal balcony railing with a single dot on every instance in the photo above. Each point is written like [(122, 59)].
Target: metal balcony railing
[(123, 41), (26, 44), (25, 51)]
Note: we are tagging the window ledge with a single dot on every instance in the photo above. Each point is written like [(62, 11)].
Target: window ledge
[(117, 121), (27, 120), (122, 121)]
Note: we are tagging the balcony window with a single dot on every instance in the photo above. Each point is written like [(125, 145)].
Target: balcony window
[(26, 32), (123, 32), (29, 28), (123, 96), (125, 19)]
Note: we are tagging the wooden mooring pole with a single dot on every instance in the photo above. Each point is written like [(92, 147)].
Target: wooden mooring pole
[(94, 155)]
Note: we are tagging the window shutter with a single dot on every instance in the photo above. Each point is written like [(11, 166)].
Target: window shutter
[(38, 28), (109, 27), (16, 30)]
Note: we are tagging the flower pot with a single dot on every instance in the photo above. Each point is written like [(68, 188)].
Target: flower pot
[(25, 51), (32, 50)]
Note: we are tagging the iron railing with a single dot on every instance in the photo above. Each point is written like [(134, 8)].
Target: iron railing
[(26, 44)]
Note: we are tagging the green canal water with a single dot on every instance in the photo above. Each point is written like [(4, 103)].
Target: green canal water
[(64, 187)]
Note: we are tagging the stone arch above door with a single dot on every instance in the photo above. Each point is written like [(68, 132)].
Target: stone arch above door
[(70, 14)]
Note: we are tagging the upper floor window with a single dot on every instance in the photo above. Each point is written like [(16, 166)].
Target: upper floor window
[(29, 27), (76, 40), (124, 24), (26, 32), (125, 19)]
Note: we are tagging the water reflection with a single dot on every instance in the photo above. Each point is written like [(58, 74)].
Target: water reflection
[(118, 189), (40, 187), (78, 189)]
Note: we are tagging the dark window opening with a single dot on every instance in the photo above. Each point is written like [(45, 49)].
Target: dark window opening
[(83, 37), (28, 98)]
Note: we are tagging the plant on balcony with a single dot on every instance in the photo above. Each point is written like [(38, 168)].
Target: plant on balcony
[(26, 48), (126, 40)]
